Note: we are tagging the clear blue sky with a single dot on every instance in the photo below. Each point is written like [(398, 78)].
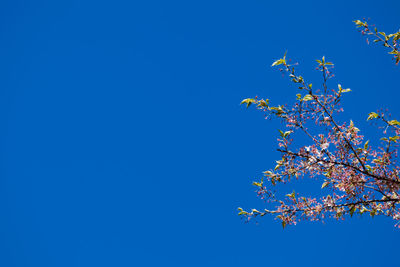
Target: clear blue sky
[(123, 142)]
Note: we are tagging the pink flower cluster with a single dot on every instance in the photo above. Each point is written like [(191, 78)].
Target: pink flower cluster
[(356, 178)]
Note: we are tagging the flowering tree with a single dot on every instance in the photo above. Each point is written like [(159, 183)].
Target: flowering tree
[(356, 178)]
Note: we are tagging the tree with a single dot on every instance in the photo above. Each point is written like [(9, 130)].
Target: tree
[(356, 178)]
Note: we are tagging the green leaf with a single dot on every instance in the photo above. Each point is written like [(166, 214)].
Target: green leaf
[(339, 214), (325, 184), (341, 90), (366, 144), (394, 122), (373, 212), (372, 115), (255, 211), (307, 98), (352, 210), (291, 195), (394, 138), (263, 103), (327, 174), (363, 209), (285, 134), (241, 211), (248, 102), (258, 184), (278, 62), (277, 109), (278, 165), (268, 173), (359, 23), (397, 36)]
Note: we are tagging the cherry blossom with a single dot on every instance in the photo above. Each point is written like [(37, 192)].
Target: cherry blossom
[(355, 177)]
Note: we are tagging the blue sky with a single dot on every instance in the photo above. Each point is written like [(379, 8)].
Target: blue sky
[(123, 142)]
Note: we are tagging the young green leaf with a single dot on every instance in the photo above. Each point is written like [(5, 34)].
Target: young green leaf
[(325, 184), (352, 210), (372, 115), (248, 102), (366, 144), (278, 62), (394, 122), (307, 98)]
